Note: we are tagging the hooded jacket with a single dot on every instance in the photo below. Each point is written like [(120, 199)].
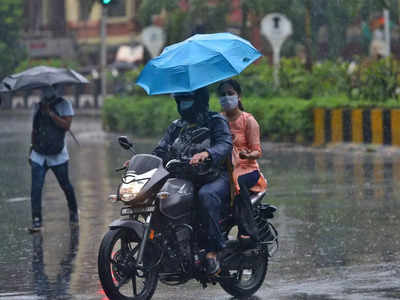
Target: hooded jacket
[(220, 136)]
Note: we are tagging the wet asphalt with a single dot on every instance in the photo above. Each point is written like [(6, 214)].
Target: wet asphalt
[(338, 220)]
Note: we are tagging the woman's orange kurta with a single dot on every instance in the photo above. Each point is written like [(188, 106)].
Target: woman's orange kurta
[(246, 137)]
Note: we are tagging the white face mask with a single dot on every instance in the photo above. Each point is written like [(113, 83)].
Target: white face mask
[(229, 102)]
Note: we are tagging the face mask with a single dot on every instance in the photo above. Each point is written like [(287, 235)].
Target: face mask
[(229, 102), (186, 110), (185, 104)]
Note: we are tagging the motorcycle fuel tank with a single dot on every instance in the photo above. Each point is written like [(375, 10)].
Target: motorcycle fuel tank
[(179, 202)]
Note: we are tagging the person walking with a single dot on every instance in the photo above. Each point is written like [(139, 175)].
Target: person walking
[(246, 176), (52, 118)]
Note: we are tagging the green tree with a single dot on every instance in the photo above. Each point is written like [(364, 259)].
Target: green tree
[(307, 17), (200, 18), (148, 8), (11, 51)]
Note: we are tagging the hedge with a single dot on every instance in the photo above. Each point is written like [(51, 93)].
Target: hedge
[(287, 119)]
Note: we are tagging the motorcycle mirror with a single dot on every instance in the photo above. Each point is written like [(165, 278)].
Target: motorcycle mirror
[(124, 142), (200, 134)]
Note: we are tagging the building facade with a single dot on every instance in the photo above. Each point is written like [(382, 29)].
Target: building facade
[(71, 28)]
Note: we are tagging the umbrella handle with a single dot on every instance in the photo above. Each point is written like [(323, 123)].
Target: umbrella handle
[(74, 137)]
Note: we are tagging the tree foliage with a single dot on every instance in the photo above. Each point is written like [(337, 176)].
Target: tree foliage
[(200, 18), (307, 16), (11, 51)]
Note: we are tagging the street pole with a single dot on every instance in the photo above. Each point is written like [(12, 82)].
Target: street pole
[(387, 31), (276, 61), (103, 52), (309, 63)]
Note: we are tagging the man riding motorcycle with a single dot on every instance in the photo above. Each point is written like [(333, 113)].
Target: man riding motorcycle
[(214, 190)]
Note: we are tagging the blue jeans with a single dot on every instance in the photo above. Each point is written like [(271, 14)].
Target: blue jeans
[(211, 199), (38, 176)]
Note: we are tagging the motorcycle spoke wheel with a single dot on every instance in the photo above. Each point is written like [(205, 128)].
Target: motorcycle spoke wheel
[(118, 272), (125, 273)]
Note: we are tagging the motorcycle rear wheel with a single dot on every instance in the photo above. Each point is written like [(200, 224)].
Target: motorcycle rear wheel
[(246, 281), (116, 266)]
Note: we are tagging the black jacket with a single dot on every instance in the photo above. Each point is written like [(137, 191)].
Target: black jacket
[(221, 139)]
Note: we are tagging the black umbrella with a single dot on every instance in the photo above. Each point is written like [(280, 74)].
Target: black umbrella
[(3, 88), (39, 77)]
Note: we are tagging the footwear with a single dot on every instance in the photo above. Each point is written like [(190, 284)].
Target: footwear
[(213, 266), (74, 218), (36, 225)]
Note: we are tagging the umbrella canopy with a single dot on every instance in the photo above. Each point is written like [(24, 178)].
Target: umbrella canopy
[(3, 88), (39, 77), (197, 62)]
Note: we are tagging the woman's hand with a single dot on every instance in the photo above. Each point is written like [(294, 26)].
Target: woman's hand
[(249, 154), (244, 154), (199, 157)]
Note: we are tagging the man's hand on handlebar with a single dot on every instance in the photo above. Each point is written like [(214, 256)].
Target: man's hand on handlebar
[(199, 157)]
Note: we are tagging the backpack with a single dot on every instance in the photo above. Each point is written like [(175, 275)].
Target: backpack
[(49, 139)]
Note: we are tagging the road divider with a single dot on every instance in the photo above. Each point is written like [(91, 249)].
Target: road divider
[(370, 126)]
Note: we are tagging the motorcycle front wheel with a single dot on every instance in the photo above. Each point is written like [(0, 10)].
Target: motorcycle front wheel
[(120, 276)]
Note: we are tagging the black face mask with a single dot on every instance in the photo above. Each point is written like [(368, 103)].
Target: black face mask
[(187, 110), (193, 106)]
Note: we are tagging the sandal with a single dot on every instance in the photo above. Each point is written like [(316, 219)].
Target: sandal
[(213, 266)]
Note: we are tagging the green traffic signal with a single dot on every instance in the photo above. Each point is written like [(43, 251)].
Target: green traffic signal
[(105, 2)]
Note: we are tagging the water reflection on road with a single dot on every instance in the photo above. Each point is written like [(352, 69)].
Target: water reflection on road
[(339, 217)]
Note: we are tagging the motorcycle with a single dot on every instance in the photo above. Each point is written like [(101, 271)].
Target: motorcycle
[(159, 237)]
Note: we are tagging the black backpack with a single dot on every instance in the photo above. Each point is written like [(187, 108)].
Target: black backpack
[(48, 138)]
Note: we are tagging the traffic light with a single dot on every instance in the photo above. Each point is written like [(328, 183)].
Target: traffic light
[(106, 2)]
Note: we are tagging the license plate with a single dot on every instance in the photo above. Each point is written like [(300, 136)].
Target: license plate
[(126, 211)]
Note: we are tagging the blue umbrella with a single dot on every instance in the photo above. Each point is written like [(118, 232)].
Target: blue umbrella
[(197, 62)]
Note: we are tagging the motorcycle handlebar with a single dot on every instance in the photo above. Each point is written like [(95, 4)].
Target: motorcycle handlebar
[(183, 162), (123, 168)]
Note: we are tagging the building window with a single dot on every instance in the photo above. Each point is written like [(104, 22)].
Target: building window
[(119, 9)]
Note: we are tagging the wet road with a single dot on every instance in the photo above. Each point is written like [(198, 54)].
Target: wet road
[(339, 221)]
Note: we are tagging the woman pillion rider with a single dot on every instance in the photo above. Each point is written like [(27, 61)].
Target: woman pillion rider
[(247, 176), (194, 111)]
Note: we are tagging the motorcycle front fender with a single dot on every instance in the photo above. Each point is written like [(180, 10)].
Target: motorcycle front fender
[(136, 226)]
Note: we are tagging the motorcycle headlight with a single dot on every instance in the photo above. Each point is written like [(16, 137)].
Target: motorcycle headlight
[(128, 191), (132, 184)]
